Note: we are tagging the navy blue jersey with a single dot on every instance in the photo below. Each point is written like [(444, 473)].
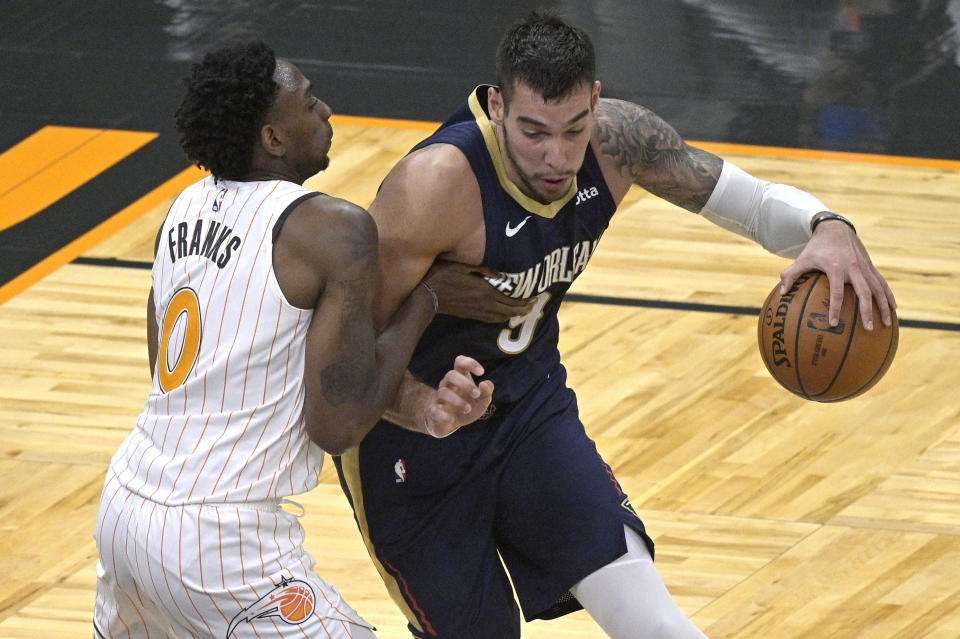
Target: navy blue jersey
[(491, 485), (538, 250)]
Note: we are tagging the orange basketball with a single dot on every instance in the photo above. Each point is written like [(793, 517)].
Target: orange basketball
[(813, 359), (295, 603)]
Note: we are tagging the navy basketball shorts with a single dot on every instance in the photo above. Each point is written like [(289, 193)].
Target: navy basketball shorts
[(527, 485)]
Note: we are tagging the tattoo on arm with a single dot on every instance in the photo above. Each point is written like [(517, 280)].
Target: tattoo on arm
[(344, 382), (649, 151)]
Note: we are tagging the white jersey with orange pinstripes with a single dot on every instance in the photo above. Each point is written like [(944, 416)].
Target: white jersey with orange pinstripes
[(224, 420)]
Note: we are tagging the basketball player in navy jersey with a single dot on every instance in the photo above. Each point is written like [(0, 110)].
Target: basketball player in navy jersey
[(524, 179)]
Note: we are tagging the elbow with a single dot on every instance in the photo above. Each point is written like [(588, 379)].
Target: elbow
[(336, 448), (336, 434), (333, 440)]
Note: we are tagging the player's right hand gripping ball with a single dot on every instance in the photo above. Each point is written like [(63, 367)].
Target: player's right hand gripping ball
[(813, 359)]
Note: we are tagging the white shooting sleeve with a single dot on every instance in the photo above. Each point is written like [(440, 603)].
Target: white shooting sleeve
[(775, 215)]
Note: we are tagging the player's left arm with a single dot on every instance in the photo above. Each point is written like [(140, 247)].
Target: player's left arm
[(635, 146)]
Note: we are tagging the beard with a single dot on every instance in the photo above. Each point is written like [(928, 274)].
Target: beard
[(527, 185)]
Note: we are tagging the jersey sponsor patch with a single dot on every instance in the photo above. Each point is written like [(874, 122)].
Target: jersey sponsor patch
[(585, 194)]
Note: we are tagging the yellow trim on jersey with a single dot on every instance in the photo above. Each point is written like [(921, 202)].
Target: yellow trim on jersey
[(493, 148), (350, 465)]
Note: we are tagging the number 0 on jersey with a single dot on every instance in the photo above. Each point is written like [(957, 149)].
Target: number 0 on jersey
[(179, 339)]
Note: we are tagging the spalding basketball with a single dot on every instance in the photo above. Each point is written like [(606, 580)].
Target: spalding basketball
[(813, 359)]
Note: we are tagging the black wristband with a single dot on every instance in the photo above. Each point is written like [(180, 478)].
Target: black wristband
[(823, 216)]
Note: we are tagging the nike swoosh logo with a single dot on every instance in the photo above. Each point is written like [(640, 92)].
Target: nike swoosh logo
[(512, 230)]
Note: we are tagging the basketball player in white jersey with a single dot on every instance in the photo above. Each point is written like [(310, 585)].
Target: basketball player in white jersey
[(263, 356)]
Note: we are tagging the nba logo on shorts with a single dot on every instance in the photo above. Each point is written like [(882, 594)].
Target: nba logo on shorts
[(292, 600), (400, 471)]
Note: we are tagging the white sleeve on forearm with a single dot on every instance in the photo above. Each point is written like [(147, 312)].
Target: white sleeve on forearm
[(775, 215)]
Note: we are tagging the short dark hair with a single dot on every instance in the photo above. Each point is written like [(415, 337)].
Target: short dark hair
[(228, 96), (547, 54)]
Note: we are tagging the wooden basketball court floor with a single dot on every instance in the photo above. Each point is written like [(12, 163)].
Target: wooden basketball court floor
[(774, 517)]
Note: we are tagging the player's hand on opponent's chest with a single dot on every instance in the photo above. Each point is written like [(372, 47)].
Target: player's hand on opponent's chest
[(463, 290)]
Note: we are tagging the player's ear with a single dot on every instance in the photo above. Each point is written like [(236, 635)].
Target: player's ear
[(271, 139), (495, 104), (595, 96)]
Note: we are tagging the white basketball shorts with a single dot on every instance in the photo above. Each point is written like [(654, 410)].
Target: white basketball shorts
[(230, 571)]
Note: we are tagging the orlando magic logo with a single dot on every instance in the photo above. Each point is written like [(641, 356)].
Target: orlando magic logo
[(292, 600)]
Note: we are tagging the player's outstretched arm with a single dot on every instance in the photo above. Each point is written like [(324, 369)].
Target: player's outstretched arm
[(638, 147)]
